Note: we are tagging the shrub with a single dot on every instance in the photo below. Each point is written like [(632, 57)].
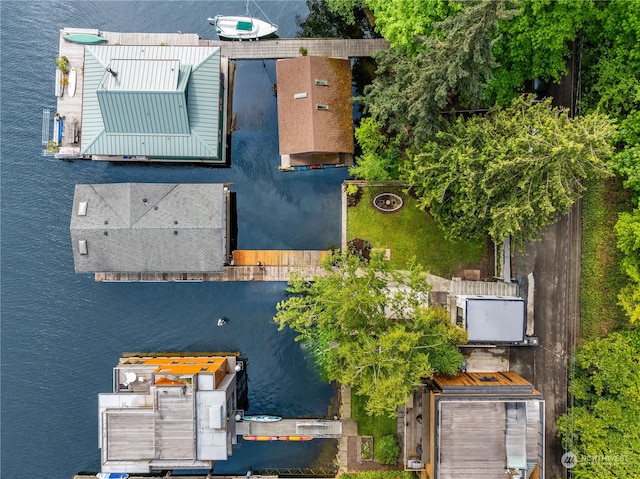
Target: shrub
[(389, 450), (62, 63)]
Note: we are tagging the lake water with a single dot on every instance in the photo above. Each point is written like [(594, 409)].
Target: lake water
[(62, 333)]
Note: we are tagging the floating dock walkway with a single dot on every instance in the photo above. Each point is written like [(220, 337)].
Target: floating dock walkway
[(248, 265), (316, 428), (291, 47)]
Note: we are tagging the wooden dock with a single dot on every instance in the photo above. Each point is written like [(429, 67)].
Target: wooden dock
[(316, 428), (266, 257), (249, 265), (291, 47)]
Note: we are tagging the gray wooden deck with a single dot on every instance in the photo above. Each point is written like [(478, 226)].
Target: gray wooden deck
[(290, 47), (317, 428), (230, 273)]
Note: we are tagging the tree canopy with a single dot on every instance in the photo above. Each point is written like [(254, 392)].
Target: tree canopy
[(536, 44), (369, 327), (627, 230), (603, 427), (510, 172), (452, 65)]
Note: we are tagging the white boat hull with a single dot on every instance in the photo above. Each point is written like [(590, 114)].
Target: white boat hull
[(242, 28)]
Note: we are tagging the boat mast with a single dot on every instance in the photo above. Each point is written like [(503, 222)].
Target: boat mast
[(261, 11), (248, 14)]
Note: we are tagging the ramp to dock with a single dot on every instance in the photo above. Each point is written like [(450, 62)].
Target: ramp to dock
[(316, 428)]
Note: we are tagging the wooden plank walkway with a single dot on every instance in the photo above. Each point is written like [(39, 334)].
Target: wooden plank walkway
[(318, 428), (229, 273), (278, 257), (290, 48), (249, 265)]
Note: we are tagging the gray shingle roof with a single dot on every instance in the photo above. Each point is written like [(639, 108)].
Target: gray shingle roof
[(144, 227)]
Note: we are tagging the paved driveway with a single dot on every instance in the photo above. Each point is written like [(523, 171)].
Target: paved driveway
[(555, 262)]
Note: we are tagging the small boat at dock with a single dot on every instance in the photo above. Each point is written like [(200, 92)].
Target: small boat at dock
[(242, 27), (277, 438), (84, 38), (112, 475), (262, 418)]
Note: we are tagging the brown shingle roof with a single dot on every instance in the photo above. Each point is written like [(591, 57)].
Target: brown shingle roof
[(302, 127)]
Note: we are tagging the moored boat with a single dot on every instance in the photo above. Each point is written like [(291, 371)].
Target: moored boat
[(262, 418), (260, 438), (242, 27), (112, 475), (295, 438), (277, 438), (84, 38)]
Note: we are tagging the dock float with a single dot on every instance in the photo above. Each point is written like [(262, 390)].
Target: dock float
[(248, 265)]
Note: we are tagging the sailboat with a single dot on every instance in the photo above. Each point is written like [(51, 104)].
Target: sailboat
[(243, 27)]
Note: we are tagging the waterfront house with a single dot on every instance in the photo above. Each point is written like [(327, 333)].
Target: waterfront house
[(487, 424), (168, 412), (152, 103), (152, 228), (315, 113)]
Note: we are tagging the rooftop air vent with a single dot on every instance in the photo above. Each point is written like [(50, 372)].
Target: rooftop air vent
[(82, 208), (82, 247)]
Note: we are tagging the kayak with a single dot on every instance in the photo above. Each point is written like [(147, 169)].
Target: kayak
[(262, 418), (84, 38)]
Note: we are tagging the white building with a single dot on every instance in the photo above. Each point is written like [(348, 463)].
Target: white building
[(168, 413)]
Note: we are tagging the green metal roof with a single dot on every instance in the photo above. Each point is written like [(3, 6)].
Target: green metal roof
[(155, 101)]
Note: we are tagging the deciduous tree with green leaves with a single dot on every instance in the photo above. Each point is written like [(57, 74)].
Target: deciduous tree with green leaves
[(603, 427), (380, 158), (510, 172), (627, 230), (536, 43), (452, 65), (369, 327)]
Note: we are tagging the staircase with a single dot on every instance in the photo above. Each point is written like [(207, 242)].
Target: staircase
[(460, 287)]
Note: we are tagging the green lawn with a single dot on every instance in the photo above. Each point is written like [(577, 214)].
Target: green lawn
[(375, 426), (602, 277), (411, 233)]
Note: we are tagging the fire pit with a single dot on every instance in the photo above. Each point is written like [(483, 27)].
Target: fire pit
[(388, 202)]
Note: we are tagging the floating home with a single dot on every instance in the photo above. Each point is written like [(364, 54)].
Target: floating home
[(168, 413), (315, 114), (485, 424), (141, 100), (154, 228), (157, 232)]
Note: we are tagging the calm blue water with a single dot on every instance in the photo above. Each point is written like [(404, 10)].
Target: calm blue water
[(62, 333)]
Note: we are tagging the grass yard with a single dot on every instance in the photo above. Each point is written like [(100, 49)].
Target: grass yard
[(375, 426), (602, 277), (411, 232)]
